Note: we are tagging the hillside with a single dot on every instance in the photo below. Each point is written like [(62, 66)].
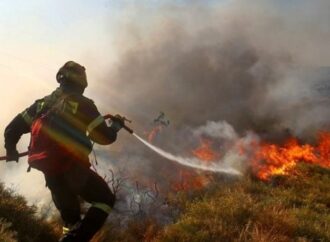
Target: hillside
[(288, 208)]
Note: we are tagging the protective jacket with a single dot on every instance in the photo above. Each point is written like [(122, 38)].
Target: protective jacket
[(72, 122)]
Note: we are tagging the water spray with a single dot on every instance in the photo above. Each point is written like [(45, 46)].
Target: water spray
[(192, 162), (185, 161)]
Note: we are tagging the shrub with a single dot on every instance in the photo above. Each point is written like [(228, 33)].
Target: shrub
[(20, 218), (6, 234)]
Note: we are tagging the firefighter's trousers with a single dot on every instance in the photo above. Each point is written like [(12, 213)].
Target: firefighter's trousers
[(81, 182)]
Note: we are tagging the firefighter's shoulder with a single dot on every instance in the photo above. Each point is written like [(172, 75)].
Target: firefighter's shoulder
[(87, 106), (86, 100)]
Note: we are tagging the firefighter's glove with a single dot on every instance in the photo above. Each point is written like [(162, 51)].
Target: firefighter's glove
[(117, 122), (12, 155)]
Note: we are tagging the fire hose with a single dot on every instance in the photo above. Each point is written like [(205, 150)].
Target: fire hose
[(19, 155), (107, 116)]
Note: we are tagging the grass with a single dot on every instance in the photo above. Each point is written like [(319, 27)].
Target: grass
[(293, 208)]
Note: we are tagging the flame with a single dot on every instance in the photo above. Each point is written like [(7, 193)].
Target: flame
[(324, 148), (190, 181), (272, 159), (205, 152), (154, 132)]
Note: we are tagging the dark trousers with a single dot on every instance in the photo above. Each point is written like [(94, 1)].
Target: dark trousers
[(78, 182)]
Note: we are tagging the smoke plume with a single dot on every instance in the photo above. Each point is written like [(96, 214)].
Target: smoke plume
[(257, 66), (262, 67)]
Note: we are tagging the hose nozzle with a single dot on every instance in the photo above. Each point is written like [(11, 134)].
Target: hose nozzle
[(128, 129)]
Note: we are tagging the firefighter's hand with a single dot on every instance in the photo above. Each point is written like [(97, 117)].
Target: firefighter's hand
[(117, 122), (12, 155)]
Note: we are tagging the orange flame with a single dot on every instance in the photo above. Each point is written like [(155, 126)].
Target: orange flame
[(205, 152), (271, 159), (190, 181), (153, 133)]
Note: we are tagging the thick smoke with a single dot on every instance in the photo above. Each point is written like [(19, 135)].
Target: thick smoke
[(257, 66), (261, 67)]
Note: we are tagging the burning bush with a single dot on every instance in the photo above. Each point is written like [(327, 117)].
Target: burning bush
[(272, 159)]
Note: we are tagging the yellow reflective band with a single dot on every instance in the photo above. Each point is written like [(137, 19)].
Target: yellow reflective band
[(27, 118), (96, 122), (40, 106), (102, 206), (73, 106), (65, 230)]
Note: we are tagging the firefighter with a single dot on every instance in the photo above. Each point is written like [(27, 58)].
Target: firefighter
[(63, 126)]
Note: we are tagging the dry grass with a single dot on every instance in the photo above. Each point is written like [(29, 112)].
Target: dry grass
[(295, 208), (287, 209)]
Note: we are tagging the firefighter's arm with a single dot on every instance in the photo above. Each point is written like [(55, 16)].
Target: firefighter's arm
[(13, 132), (97, 128), (16, 128)]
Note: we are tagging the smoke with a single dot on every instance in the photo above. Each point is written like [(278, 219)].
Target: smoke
[(262, 67), (250, 64), (214, 129), (236, 151)]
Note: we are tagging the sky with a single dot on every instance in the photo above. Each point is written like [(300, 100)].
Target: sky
[(223, 59)]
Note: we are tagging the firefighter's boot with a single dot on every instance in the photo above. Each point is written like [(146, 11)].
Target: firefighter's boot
[(84, 230)]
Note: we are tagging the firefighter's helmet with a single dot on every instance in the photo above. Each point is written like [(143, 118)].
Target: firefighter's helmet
[(72, 72)]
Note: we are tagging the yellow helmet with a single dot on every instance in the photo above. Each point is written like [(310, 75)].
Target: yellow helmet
[(72, 72)]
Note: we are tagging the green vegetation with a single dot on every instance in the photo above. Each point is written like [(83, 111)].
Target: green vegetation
[(18, 221), (292, 208)]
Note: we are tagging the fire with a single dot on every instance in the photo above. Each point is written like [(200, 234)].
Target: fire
[(154, 132), (271, 159), (190, 180), (324, 148), (205, 152)]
